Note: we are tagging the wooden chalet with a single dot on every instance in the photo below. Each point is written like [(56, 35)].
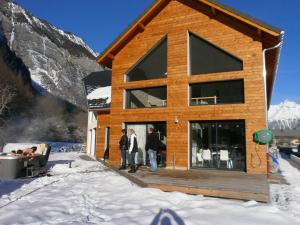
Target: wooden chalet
[(193, 70)]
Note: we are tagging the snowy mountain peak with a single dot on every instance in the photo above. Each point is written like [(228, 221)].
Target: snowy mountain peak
[(57, 60), (18, 14), (289, 104), (285, 115)]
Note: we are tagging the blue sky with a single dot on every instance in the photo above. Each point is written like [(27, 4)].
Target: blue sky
[(99, 22)]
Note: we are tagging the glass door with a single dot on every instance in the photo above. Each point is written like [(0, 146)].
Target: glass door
[(218, 145), (140, 130)]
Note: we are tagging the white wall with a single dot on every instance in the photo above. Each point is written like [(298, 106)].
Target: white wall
[(91, 137)]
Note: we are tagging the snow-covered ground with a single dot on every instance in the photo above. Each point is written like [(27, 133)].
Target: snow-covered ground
[(89, 193), (287, 197)]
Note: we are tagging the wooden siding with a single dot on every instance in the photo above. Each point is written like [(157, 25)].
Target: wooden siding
[(103, 121), (175, 20)]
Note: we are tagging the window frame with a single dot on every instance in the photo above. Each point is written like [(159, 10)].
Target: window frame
[(164, 38), (242, 121), (216, 81), (126, 102), (214, 45)]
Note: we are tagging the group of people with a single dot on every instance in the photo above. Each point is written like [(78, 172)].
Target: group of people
[(128, 142), (28, 152)]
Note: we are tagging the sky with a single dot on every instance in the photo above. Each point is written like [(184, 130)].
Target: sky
[(99, 22)]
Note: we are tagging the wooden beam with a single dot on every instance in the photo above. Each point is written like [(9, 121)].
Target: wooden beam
[(259, 33), (111, 56), (141, 26), (213, 10), (213, 192)]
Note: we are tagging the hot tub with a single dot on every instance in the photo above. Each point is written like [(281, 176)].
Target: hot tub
[(12, 167)]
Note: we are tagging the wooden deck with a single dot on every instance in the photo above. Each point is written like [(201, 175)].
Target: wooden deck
[(223, 184)]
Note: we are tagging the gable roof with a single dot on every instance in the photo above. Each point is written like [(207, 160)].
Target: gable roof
[(158, 5), (272, 35)]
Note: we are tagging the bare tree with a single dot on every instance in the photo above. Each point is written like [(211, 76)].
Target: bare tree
[(7, 94)]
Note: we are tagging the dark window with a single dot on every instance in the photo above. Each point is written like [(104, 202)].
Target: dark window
[(146, 98), (221, 92), (151, 66), (208, 58), (218, 145)]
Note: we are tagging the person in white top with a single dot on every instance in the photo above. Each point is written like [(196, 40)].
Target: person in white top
[(133, 148)]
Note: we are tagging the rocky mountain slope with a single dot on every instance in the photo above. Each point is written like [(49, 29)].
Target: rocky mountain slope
[(285, 116), (30, 116), (57, 60)]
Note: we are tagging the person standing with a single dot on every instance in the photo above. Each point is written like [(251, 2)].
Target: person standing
[(152, 146), (123, 148), (133, 148)]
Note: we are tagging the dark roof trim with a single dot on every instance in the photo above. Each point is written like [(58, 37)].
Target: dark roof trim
[(246, 16)]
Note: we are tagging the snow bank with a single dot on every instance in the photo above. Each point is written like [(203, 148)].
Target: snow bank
[(287, 197), (90, 193)]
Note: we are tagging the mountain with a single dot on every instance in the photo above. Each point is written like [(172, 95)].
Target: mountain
[(285, 116), (30, 116), (43, 67), (57, 60)]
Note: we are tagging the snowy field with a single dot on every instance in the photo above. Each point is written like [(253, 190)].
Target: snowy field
[(89, 193)]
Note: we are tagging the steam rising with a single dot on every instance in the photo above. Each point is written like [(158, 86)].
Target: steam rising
[(45, 120)]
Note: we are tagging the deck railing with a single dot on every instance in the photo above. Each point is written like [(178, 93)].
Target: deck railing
[(158, 103), (205, 100)]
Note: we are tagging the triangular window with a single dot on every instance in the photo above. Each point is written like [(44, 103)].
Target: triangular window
[(153, 65), (208, 58)]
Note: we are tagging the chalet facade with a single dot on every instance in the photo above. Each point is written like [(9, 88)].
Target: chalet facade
[(193, 70)]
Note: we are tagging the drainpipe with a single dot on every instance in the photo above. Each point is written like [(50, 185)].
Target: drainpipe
[(279, 45)]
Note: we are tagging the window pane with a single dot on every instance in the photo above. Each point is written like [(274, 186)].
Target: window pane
[(152, 66), (218, 145), (208, 58), (146, 98), (222, 92)]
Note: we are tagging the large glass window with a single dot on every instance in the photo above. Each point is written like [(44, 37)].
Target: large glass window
[(151, 66), (218, 145), (208, 58), (146, 97), (221, 92)]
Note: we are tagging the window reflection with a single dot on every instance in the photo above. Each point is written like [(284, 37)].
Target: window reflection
[(220, 92), (153, 97), (152, 66), (218, 145)]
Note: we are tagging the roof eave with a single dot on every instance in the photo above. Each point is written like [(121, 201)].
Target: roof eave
[(281, 39), (107, 57)]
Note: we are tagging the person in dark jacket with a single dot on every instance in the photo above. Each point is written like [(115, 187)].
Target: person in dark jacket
[(123, 148), (152, 146), (133, 149)]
